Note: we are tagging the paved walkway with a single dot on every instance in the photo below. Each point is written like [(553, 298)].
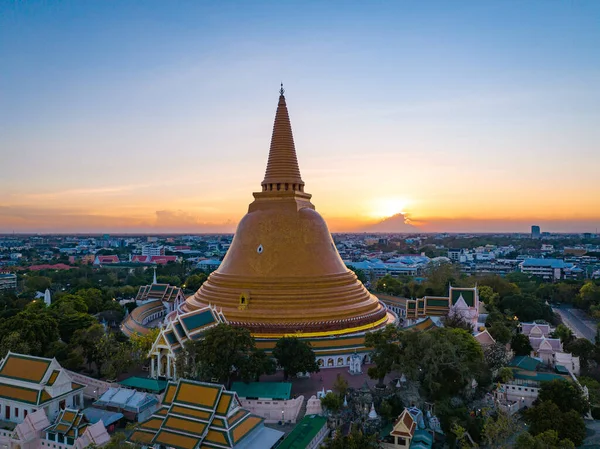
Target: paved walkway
[(576, 320), (325, 379)]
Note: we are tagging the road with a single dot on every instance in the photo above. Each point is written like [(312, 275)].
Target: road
[(578, 322)]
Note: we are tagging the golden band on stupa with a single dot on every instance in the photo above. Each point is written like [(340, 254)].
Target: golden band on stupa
[(282, 273)]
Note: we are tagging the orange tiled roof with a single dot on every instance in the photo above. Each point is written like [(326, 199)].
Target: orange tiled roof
[(189, 418), (20, 394), (26, 368)]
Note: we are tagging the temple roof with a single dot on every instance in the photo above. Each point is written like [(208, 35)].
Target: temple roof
[(282, 166), (197, 414)]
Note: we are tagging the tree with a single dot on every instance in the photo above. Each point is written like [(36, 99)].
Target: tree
[(496, 431), (93, 298), (546, 415), (564, 333), (36, 327), (456, 321), (195, 281), (13, 342), (566, 395), (506, 374), (331, 402), (141, 344), (496, 356), (520, 344), (500, 333), (354, 440), (295, 356), (257, 364), (545, 440), (385, 351), (582, 348), (340, 386), (87, 340), (444, 360), (224, 350)]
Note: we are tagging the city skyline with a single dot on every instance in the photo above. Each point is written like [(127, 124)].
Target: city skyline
[(470, 117)]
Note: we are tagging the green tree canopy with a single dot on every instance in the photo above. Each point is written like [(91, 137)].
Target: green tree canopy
[(354, 440), (500, 332), (444, 360), (566, 395), (545, 440), (520, 344), (295, 356), (385, 351), (546, 415)]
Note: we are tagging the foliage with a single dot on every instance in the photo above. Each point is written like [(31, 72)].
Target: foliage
[(564, 333), (224, 350), (456, 321), (545, 440), (331, 402), (385, 351), (584, 349), (497, 430), (340, 386), (520, 344), (195, 281), (593, 388), (354, 440), (546, 415), (295, 356), (14, 343), (141, 344), (496, 356), (444, 360), (500, 333), (506, 374), (36, 327), (566, 395)]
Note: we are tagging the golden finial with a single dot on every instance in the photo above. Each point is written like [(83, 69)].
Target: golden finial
[(282, 90)]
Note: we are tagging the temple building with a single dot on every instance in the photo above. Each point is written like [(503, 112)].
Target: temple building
[(202, 415), (463, 302), (40, 407), (29, 383), (283, 275), (155, 301)]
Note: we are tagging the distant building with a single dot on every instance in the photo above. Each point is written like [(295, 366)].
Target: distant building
[(106, 260), (149, 250), (8, 281), (535, 232), (454, 254), (548, 269)]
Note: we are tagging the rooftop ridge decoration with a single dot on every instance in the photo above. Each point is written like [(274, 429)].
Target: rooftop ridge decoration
[(283, 171)]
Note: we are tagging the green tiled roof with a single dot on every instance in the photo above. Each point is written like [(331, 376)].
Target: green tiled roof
[(272, 390), (304, 432), (199, 320), (467, 294), (561, 369), (144, 383), (524, 362), (437, 302), (538, 377)]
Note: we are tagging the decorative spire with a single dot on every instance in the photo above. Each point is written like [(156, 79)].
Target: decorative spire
[(282, 171), (154, 279)]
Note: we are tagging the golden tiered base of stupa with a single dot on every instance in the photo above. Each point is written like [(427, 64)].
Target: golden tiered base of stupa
[(282, 274)]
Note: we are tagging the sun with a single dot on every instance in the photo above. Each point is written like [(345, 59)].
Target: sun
[(388, 207)]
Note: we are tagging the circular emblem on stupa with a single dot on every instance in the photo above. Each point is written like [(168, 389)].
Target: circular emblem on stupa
[(260, 249)]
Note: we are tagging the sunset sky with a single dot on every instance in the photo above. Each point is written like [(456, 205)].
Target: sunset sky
[(156, 116)]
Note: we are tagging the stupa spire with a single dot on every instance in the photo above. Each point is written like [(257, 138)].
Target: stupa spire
[(282, 171)]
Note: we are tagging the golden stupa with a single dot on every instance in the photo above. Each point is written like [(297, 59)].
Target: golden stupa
[(282, 273)]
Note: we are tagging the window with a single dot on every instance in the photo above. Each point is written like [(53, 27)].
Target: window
[(7, 412), (60, 438), (16, 412), (24, 413)]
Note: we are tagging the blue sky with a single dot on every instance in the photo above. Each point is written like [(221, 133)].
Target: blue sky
[(115, 115)]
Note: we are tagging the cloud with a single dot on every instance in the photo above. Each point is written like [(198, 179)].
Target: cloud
[(395, 223), (179, 220)]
